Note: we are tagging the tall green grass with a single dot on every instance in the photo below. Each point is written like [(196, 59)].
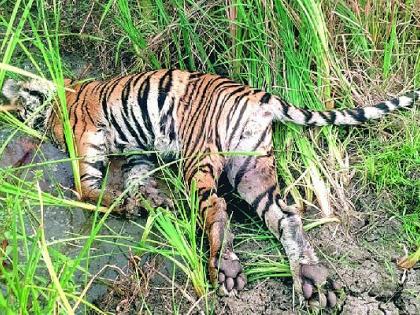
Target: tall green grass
[(179, 241), (309, 52)]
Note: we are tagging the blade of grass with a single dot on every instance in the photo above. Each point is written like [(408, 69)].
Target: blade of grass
[(47, 259)]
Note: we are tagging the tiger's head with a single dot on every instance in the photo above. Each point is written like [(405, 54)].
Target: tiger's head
[(31, 99)]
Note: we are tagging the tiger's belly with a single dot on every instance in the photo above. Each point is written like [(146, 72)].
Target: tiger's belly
[(162, 141)]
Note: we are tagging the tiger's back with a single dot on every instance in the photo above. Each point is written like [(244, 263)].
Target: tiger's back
[(170, 111), (187, 112)]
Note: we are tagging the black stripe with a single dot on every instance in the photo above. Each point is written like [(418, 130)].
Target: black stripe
[(136, 133), (139, 128), (324, 116), (97, 147), (165, 85), (195, 75), (125, 94), (76, 119), (204, 195), (109, 88), (214, 105), (395, 101), (223, 103), (118, 128), (268, 204), (172, 134), (279, 227), (135, 160), (98, 165), (86, 110), (74, 104), (238, 100), (308, 115), (238, 121), (358, 114), (132, 131), (205, 100), (332, 117), (233, 108), (285, 109), (79, 93), (73, 108), (165, 117), (142, 96), (258, 199), (99, 85), (266, 98), (39, 123), (192, 95), (41, 97), (383, 107)]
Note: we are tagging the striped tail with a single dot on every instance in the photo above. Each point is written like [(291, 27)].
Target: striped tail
[(288, 113)]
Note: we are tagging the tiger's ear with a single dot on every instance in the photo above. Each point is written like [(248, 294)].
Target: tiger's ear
[(11, 89)]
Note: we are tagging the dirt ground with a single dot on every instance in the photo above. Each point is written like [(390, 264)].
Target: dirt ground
[(361, 252), (362, 255)]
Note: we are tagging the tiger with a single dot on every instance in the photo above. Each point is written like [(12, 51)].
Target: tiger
[(200, 118)]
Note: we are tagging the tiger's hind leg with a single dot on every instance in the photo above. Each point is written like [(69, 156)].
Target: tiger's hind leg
[(225, 269), (255, 179), (141, 184)]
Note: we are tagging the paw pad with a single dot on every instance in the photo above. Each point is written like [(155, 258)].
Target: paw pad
[(318, 289), (230, 276)]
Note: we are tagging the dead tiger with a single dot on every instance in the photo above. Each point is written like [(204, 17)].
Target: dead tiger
[(194, 116)]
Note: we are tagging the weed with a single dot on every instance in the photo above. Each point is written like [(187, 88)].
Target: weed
[(314, 54)]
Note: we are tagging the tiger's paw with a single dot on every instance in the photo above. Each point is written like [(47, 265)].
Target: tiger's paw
[(227, 272), (154, 196), (131, 207), (318, 288)]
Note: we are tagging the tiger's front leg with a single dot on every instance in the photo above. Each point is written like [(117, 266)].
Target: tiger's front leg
[(91, 146), (139, 182), (225, 270)]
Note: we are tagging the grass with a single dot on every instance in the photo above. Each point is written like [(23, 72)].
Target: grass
[(315, 55), (179, 241)]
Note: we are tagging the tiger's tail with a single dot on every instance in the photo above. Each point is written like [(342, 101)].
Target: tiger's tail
[(288, 113)]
